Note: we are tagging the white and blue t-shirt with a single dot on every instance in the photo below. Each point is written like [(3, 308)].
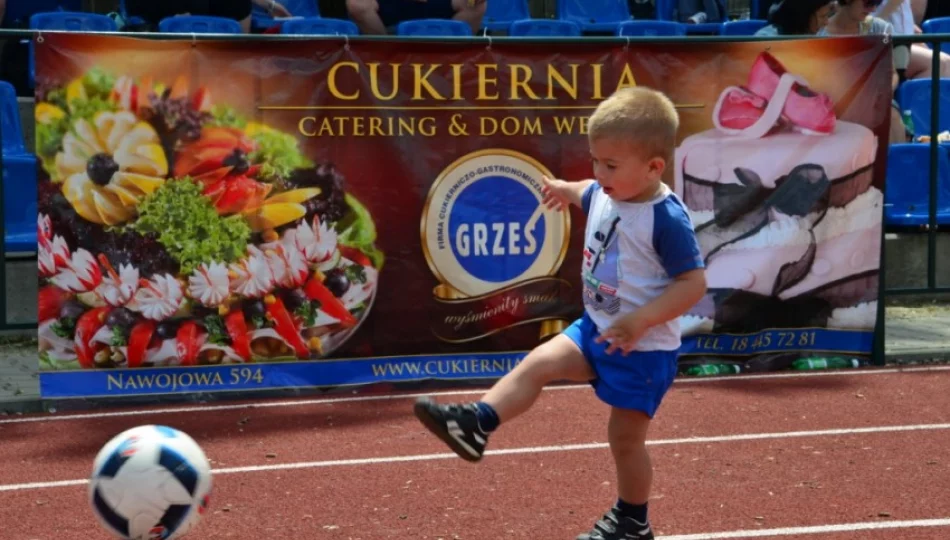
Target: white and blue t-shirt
[(632, 252)]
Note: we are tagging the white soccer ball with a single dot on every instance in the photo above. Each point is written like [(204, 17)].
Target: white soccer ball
[(150, 482)]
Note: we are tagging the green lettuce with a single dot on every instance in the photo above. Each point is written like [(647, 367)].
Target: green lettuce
[(189, 227), (277, 154), (357, 230)]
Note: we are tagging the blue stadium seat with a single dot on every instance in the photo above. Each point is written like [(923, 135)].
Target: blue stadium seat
[(19, 178), (594, 15), (199, 24), (318, 26), (499, 14), (544, 27), (666, 11), (18, 12), (907, 193), (746, 27), (72, 21), (433, 27), (260, 19), (914, 95), (937, 25), (651, 28)]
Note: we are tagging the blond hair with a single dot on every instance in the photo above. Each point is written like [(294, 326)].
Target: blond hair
[(641, 115)]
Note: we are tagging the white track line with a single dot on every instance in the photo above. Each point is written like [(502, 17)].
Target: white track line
[(516, 451), (817, 529), (390, 397)]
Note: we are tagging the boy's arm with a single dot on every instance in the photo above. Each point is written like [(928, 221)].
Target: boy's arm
[(576, 191), (683, 293), (560, 194)]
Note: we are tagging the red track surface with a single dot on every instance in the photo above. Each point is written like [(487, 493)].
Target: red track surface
[(781, 480)]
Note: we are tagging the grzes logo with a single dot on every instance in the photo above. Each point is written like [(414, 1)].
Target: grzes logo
[(494, 248), (484, 227)]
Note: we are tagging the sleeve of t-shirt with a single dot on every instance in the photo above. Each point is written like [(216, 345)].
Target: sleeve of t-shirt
[(674, 239), (588, 196)]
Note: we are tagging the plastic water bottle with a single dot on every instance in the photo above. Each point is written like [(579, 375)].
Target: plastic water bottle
[(834, 362), (909, 123), (708, 370)]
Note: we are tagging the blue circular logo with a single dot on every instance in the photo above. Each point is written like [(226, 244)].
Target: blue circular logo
[(496, 228)]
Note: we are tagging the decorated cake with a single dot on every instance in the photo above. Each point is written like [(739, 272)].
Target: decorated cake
[(781, 195), (174, 231)]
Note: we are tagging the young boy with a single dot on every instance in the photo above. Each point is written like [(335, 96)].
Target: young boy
[(642, 269)]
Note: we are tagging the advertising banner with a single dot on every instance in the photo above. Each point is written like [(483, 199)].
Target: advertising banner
[(244, 215)]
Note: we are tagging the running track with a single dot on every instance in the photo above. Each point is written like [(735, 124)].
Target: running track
[(829, 456)]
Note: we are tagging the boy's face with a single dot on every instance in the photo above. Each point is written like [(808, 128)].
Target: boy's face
[(622, 172)]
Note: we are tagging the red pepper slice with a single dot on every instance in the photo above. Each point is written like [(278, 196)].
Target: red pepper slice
[(50, 301), (139, 338), (187, 345), (237, 329), (285, 327), (86, 327), (355, 255), (315, 290)]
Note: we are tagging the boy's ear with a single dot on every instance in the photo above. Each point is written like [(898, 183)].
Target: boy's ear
[(656, 165)]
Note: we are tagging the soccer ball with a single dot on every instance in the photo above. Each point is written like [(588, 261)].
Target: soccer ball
[(150, 482)]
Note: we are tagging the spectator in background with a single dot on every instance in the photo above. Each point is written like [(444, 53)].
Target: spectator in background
[(797, 18), (900, 14), (153, 11), (373, 16), (855, 17)]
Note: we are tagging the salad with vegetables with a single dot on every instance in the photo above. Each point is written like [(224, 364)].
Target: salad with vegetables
[(173, 231)]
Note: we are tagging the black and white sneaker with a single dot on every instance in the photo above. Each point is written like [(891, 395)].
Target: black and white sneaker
[(456, 425), (614, 526)]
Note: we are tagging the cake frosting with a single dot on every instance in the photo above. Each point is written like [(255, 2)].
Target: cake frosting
[(847, 242), (713, 157)]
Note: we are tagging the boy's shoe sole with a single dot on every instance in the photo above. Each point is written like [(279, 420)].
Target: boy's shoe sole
[(438, 428)]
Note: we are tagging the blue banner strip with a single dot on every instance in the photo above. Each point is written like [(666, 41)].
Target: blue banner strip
[(237, 377), (803, 340)]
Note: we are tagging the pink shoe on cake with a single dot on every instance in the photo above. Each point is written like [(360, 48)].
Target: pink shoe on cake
[(740, 108), (744, 113), (809, 111)]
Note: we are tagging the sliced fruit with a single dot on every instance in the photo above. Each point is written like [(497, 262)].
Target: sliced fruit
[(47, 112), (295, 195), (271, 216), (138, 182)]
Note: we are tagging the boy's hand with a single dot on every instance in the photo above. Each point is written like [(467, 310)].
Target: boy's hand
[(557, 193), (624, 334)]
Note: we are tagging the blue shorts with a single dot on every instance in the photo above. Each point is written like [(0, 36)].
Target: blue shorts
[(393, 12), (636, 381)]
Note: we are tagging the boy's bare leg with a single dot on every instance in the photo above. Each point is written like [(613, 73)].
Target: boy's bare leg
[(627, 434), (557, 359), (465, 428)]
